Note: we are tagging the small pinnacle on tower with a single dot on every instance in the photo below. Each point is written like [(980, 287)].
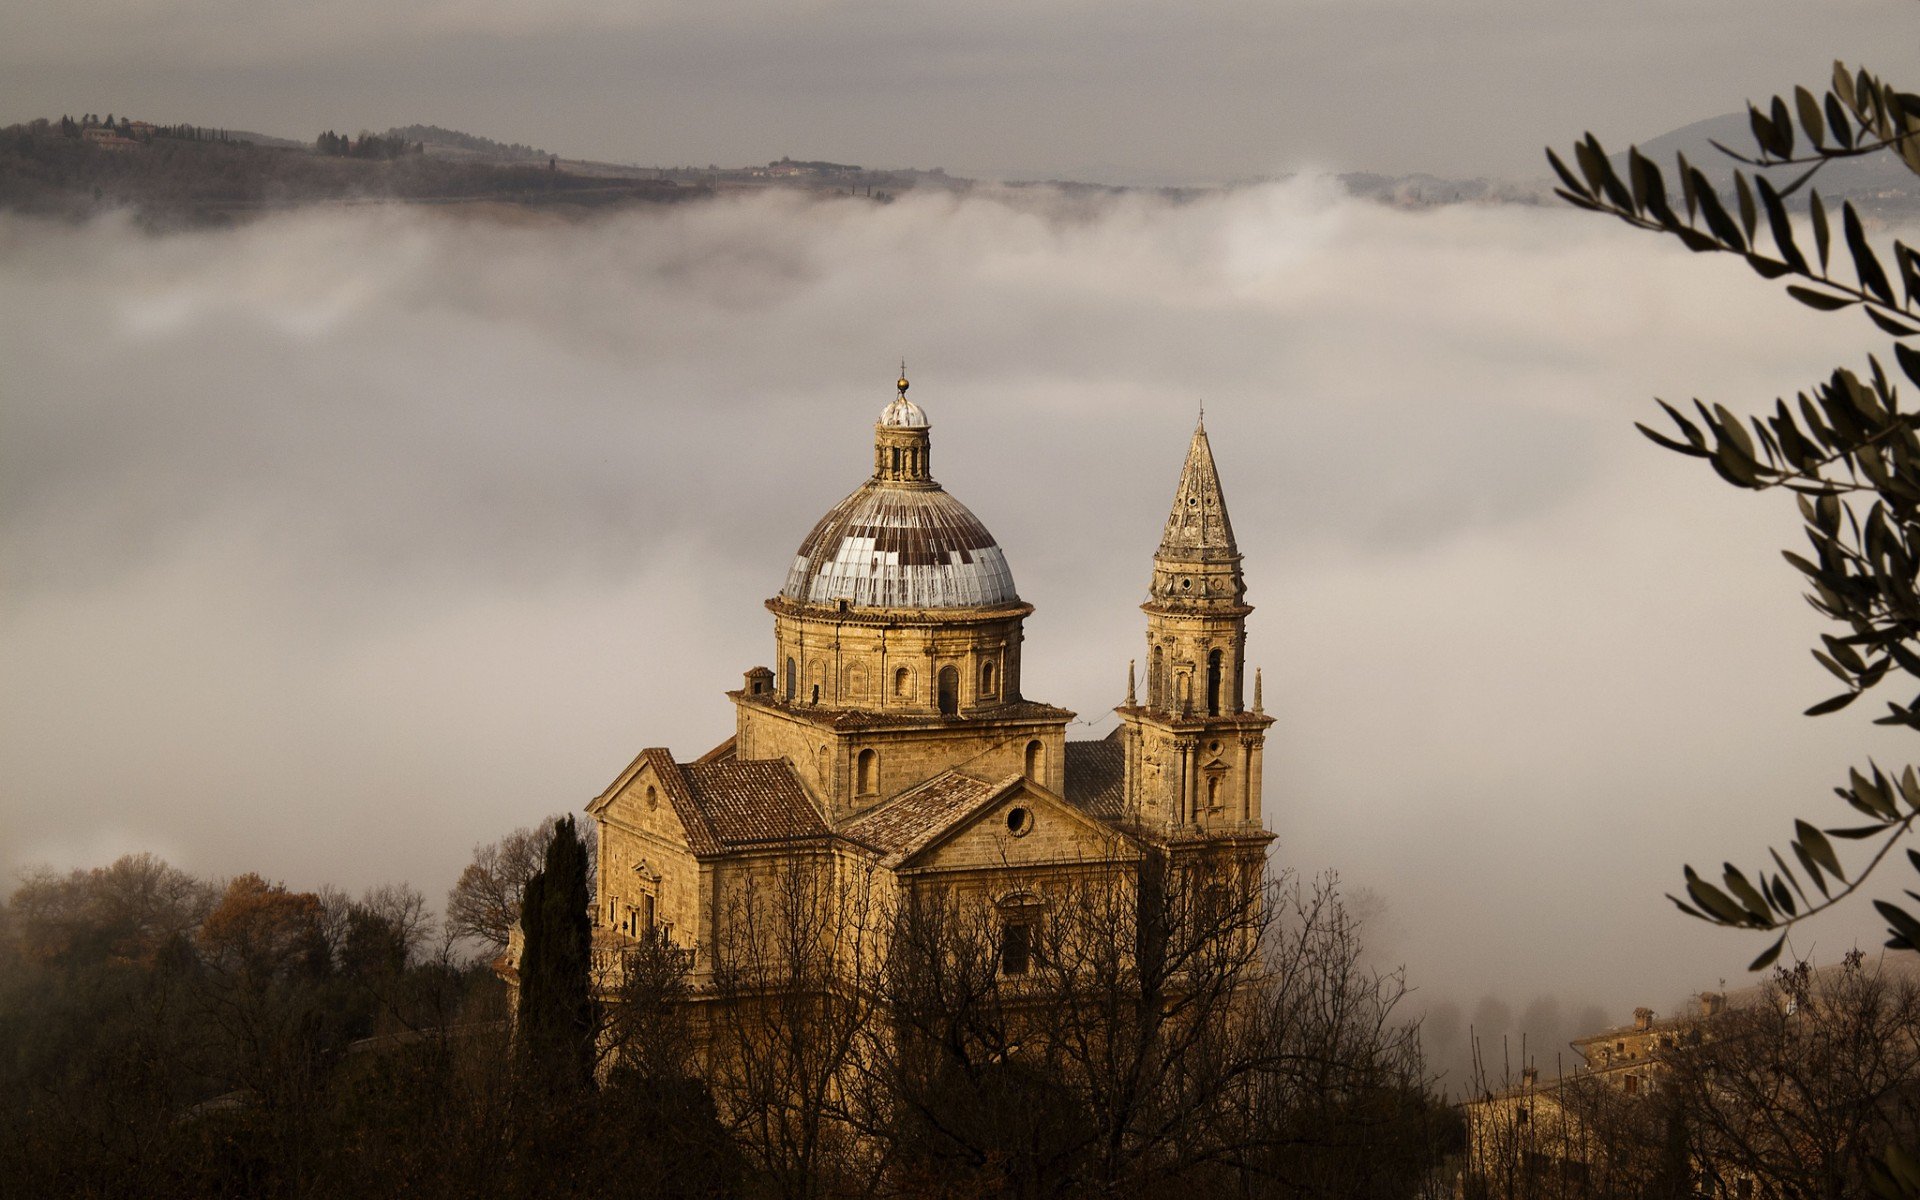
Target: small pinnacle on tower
[(1130, 700), (1258, 708)]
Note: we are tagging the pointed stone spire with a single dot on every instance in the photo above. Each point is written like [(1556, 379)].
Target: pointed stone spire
[(1198, 563), (1258, 707), (1130, 699), (1198, 529)]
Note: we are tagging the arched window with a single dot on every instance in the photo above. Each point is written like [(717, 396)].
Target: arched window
[(1020, 934), (816, 694), (949, 692), (902, 683), (1157, 681), (1213, 683), (987, 680), (1016, 948), (1036, 759), (793, 677), (868, 774)]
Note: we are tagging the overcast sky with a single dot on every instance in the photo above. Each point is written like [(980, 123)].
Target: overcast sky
[(1122, 89)]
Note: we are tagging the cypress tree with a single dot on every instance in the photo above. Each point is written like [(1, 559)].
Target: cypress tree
[(556, 1000)]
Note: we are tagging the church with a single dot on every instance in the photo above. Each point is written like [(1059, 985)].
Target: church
[(890, 741)]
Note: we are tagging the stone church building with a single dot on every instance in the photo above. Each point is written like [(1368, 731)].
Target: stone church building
[(891, 740)]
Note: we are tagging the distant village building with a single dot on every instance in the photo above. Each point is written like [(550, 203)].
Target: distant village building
[(1635, 1109), (1533, 1132), (105, 138), (787, 168)]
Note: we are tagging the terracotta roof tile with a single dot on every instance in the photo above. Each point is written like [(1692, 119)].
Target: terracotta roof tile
[(1097, 776), (748, 801), (673, 779), (904, 824)]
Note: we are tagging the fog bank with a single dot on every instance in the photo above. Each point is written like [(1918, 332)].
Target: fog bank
[(340, 542)]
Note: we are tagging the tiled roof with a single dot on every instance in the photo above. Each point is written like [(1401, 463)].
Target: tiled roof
[(673, 780), (1097, 776), (905, 824), (747, 801)]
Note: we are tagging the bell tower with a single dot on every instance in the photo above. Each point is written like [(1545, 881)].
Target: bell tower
[(1194, 748)]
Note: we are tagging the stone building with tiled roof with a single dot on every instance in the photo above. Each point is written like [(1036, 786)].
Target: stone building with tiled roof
[(890, 744)]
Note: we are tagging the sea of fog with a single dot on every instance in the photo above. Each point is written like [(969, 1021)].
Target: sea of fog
[(337, 543)]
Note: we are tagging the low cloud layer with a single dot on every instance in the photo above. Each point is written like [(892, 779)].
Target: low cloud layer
[(340, 542)]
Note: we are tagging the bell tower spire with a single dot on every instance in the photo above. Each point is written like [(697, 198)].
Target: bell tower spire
[(1198, 561), (1198, 744), (1197, 603)]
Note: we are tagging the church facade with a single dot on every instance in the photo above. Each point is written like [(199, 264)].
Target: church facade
[(890, 744)]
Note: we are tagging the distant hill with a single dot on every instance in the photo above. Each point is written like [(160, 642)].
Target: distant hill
[(434, 135), (171, 181), (267, 139), (1875, 181)]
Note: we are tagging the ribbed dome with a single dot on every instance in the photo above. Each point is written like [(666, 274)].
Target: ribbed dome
[(894, 547)]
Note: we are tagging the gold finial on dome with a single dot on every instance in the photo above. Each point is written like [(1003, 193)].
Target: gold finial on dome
[(902, 384)]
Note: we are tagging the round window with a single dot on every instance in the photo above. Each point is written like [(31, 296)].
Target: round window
[(1019, 821)]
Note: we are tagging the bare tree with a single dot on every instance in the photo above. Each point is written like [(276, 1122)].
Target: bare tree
[(1140, 1028), (484, 905), (1802, 1091), (1793, 1094), (794, 1010), (126, 911)]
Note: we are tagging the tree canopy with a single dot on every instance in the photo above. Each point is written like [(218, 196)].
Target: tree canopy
[(556, 1034)]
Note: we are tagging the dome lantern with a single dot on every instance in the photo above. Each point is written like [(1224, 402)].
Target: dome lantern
[(900, 540)]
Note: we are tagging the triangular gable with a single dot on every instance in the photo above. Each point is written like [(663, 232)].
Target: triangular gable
[(655, 768), (600, 802), (980, 835)]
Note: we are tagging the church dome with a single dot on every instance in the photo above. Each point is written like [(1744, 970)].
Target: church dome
[(899, 541), (892, 547)]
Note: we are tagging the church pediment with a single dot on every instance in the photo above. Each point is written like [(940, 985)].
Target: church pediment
[(650, 797), (958, 822)]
